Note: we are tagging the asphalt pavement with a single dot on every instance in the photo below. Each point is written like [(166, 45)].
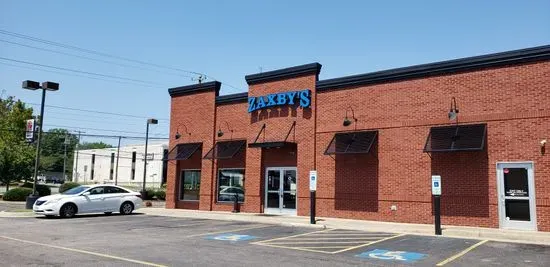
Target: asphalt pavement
[(143, 240)]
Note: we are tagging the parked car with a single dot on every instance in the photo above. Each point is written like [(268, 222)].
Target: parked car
[(228, 194), (89, 199)]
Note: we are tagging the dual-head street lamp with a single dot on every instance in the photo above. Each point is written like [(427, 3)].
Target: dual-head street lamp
[(46, 86), (149, 121)]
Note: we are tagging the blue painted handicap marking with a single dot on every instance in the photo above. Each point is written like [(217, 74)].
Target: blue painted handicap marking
[(382, 254), (231, 237)]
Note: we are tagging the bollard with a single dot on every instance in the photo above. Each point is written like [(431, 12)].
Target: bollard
[(236, 206)]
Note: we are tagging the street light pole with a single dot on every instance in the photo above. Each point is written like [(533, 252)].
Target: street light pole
[(37, 158), (149, 121), (65, 143), (46, 86)]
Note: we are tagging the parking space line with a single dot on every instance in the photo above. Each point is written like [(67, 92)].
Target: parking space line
[(228, 231), (367, 244), (337, 238), (84, 252), (462, 253), (319, 242), (291, 236), (294, 248)]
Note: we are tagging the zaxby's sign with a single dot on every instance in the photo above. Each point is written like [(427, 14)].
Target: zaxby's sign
[(302, 98)]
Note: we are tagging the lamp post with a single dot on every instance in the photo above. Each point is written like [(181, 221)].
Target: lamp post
[(46, 86), (149, 121)]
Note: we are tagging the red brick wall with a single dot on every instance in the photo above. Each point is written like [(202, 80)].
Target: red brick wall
[(278, 122), (197, 112), (513, 101)]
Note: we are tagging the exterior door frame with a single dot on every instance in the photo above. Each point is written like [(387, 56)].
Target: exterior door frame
[(519, 225), (280, 210)]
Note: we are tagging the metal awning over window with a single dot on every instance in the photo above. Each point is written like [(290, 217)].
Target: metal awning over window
[(225, 149), (274, 144), (183, 151), (456, 138), (351, 143)]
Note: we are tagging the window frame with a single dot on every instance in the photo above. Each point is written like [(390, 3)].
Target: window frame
[(218, 185), (182, 177)]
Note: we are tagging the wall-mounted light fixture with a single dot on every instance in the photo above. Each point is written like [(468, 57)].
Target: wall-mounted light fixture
[(221, 133), (453, 112), (347, 121), (543, 147), (178, 135)]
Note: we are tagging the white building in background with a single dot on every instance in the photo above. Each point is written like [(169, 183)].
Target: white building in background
[(99, 165)]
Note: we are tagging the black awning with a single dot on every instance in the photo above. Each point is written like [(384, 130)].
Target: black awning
[(351, 143), (183, 151), (274, 144), (271, 144), (456, 138), (225, 149)]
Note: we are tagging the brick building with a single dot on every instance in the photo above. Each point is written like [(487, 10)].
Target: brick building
[(375, 140)]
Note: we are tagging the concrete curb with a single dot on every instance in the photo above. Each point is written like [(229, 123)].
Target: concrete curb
[(7, 214)]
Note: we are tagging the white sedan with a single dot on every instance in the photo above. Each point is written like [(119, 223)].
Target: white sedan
[(88, 199)]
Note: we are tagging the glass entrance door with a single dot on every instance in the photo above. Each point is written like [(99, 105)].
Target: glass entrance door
[(280, 190), (517, 208)]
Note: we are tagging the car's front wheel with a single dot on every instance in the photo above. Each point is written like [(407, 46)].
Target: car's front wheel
[(126, 208), (68, 210)]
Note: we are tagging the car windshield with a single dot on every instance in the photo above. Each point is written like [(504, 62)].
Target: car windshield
[(76, 190)]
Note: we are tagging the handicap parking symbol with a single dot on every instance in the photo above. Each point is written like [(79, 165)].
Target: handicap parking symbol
[(382, 254), (231, 237)]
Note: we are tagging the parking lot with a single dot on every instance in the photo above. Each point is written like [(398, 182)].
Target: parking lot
[(142, 240)]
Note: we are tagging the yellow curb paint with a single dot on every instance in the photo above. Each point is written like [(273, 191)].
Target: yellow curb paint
[(229, 231), (364, 245), (462, 253), (85, 252), (286, 237)]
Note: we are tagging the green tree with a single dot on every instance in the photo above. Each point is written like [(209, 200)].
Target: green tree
[(16, 156), (93, 145), (53, 150)]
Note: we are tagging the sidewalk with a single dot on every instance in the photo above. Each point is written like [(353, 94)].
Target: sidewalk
[(515, 236)]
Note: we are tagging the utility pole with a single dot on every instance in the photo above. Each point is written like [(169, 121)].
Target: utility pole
[(65, 156), (117, 157), (75, 174)]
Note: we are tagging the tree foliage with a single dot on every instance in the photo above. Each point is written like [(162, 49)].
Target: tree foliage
[(93, 145), (16, 156), (53, 149)]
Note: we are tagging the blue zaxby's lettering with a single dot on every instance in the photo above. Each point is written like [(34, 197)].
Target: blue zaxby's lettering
[(302, 98)]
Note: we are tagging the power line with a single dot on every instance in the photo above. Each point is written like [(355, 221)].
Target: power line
[(93, 59), (95, 111), (80, 71), (91, 129), (94, 52), (22, 131), (76, 75)]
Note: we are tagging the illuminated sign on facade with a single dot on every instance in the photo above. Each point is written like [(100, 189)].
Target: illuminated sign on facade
[(302, 98)]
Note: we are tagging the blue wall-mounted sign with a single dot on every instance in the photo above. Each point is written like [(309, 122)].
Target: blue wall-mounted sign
[(401, 256), (302, 98)]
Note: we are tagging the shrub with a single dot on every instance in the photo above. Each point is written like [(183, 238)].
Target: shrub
[(151, 193), (17, 194), (67, 185), (160, 194), (43, 190)]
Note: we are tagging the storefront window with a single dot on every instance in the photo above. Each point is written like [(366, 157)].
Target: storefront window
[(190, 184), (230, 184)]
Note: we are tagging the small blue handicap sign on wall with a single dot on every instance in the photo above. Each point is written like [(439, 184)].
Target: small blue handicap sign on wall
[(382, 254), (231, 237)]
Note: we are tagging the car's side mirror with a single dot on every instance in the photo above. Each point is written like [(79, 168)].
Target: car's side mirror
[(86, 193)]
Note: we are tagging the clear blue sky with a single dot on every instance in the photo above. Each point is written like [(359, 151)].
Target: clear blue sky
[(230, 39)]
